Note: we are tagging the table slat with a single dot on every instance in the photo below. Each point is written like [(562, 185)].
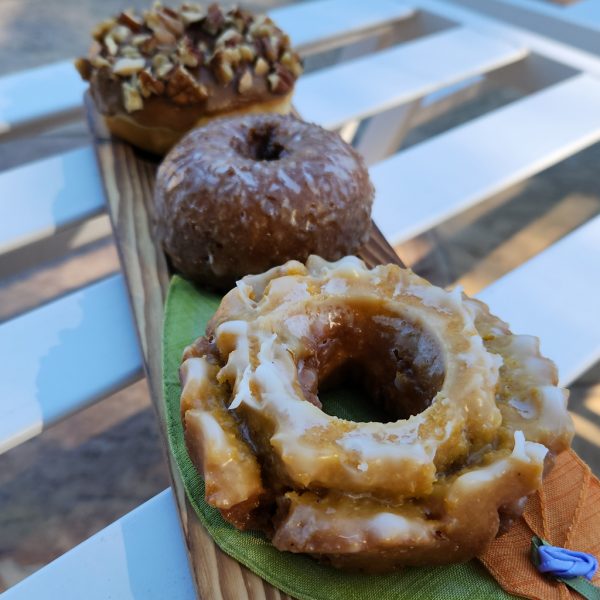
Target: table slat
[(140, 556), (63, 356), (432, 181), (362, 87), (558, 295), (47, 93), (543, 304), (311, 25), (31, 212)]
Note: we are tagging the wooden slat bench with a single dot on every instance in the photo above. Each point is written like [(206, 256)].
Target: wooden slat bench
[(373, 95)]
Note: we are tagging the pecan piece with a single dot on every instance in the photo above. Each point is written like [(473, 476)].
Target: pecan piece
[(261, 67), (188, 55), (191, 14), (230, 38), (102, 29), (281, 81), (247, 52), (221, 67), (182, 88), (214, 19), (120, 33), (132, 98), (111, 45), (149, 85), (129, 19), (128, 66), (84, 66), (245, 82)]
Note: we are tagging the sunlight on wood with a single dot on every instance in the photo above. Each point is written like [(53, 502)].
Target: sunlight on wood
[(592, 400), (573, 211), (586, 429)]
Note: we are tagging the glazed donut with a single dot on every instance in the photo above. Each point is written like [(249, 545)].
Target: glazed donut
[(244, 194), (475, 415), (157, 75)]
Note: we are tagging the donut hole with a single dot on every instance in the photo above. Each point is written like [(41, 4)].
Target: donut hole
[(262, 143), (396, 366)]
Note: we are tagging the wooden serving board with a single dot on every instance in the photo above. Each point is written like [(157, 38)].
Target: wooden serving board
[(128, 176)]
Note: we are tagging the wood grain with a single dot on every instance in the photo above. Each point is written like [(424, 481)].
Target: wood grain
[(128, 177)]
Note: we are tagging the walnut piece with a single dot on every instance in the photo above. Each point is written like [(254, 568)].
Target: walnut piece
[(128, 66), (245, 82), (281, 81), (182, 88), (214, 19), (84, 67), (111, 45), (221, 68), (149, 85), (131, 98), (188, 55), (100, 30), (120, 33), (247, 52), (261, 67), (131, 20)]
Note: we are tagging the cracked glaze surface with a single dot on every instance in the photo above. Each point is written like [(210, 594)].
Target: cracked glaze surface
[(475, 414), (244, 194)]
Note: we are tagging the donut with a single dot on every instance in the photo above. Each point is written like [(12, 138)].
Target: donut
[(474, 415), (244, 194), (157, 75)]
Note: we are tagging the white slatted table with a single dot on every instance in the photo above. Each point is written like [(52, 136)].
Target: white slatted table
[(452, 52)]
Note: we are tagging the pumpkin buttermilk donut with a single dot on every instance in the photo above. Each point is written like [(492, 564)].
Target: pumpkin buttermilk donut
[(157, 75), (475, 415)]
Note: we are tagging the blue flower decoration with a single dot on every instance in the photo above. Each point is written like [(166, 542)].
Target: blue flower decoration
[(561, 562)]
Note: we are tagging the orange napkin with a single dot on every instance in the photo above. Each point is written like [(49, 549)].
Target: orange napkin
[(566, 513)]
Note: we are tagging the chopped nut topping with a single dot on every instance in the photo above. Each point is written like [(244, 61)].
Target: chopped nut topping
[(262, 25), (130, 52), (120, 33), (182, 88), (84, 67), (261, 67), (224, 73), (188, 55), (111, 45), (190, 16), (281, 81), (128, 66), (129, 19), (102, 29), (99, 61), (230, 37), (136, 40), (164, 69), (292, 62), (270, 46), (131, 98), (245, 82), (214, 19), (232, 55), (152, 51), (273, 79), (171, 23), (247, 52), (148, 85), (164, 37)]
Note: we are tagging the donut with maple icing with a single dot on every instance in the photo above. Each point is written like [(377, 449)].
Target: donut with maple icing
[(243, 194), (475, 415), (156, 75)]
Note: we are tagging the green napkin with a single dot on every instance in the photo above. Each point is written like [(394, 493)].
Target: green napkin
[(187, 311)]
